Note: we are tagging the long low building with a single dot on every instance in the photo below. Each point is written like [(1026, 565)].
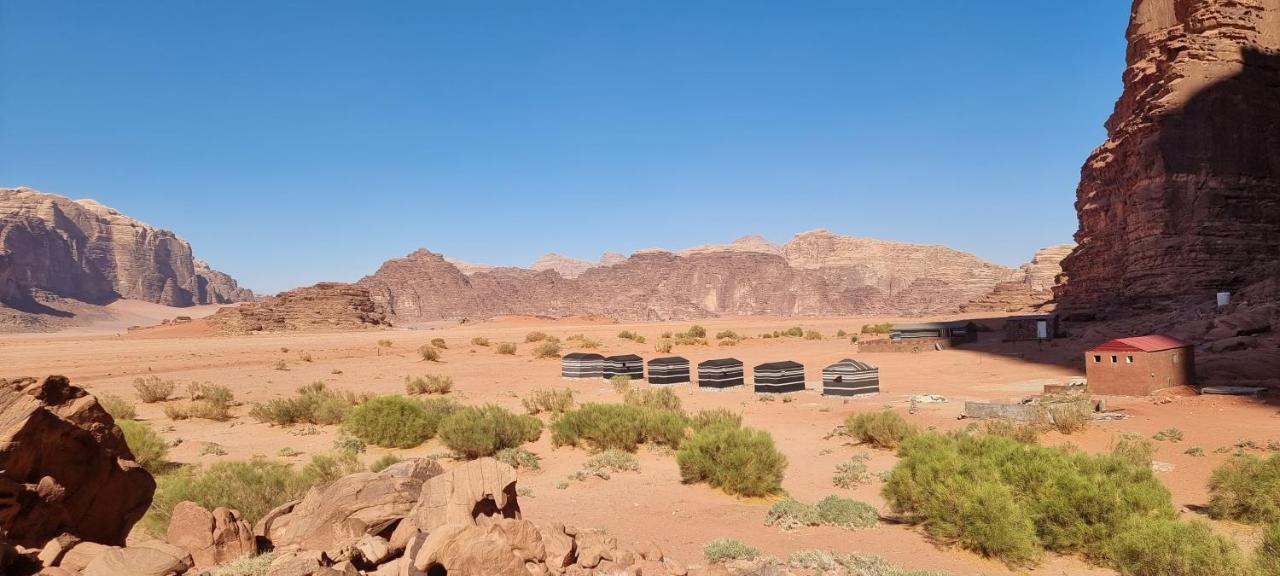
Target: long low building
[(779, 377), (720, 373), (669, 370), (626, 364), (850, 377), (581, 365)]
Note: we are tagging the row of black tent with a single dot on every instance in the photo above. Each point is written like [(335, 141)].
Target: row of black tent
[(844, 378)]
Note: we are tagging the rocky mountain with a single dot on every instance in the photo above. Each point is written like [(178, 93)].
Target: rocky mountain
[(82, 250), (1183, 199), (1032, 287), (566, 266), (325, 306), (816, 273)]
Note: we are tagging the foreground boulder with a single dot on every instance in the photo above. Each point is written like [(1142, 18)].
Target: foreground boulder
[(210, 537), (470, 494), (65, 467)]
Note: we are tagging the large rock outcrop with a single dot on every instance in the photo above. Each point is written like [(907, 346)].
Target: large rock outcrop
[(65, 467), (325, 306), (817, 273), (1031, 290), (83, 250), (1183, 198)]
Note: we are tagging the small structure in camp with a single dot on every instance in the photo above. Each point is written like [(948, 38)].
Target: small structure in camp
[(1033, 327), (720, 373), (669, 370), (581, 365), (779, 377), (956, 332), (850, 377), (1140, 365), (626, 364)]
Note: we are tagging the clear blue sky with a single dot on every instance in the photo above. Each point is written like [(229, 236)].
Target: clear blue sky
[(293, 142)]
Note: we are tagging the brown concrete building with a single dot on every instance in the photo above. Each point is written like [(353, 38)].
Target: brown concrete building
[(1139, 366), (1034, 327)]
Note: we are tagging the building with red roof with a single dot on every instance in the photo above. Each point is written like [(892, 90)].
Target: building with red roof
[(1139, 365)]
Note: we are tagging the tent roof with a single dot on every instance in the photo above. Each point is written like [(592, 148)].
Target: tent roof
[(856, 365), (669, 360), (625, 358), (582, 356), (720, 362), (1149, 343), (932, 325), (784, 365)]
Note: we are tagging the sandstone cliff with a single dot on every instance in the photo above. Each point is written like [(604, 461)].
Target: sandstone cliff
[(1183, 199), (817, 273), (1031, 289), (89, 252), (325, 306)]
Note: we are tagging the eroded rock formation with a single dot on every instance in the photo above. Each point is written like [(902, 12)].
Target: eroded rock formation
[(1031, 290), (325, 306), (1183, 199), (83, 250)]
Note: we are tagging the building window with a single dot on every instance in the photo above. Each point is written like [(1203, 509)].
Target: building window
[(1114, 359), (1128, 359), (1097, 358)]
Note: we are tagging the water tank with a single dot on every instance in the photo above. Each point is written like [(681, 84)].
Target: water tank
[(1223, 298)]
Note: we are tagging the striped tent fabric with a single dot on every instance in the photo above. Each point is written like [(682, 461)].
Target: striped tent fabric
[(779, 377), (669, 370), (581, 365), (850, 377), (720, 373), (628, 364)]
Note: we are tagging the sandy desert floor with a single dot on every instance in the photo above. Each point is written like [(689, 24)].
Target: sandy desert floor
[(651, 504)]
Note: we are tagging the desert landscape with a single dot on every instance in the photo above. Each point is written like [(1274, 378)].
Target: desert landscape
[(1109, 406)]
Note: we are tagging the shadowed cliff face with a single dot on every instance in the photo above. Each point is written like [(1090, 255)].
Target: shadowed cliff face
[(1183, 199)]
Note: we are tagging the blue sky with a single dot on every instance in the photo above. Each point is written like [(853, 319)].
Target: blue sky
[(293, 142)]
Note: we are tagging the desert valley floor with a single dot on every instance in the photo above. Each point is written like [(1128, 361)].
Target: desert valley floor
[(651, 504)]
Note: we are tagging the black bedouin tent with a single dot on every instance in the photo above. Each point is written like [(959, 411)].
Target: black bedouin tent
[(628, 364), (779, 377), (850, 377), (669, 370), (581, 365), (720, 373)]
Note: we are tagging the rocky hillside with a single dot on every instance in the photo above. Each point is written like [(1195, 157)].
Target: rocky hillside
[(816, 273), (1031, 290), (1183, 199), (325, 306), (85, 251)]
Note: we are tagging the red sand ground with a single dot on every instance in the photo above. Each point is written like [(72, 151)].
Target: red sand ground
[(651, 504)]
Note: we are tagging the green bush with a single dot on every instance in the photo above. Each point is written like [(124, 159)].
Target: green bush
[(812, 335), (117, 407), (519, 457), (660, 398), (392, 422), (314, 404), (621, 383), (479, 341), (1163, 547), (727, 334), (1025, 433), (794, 331), (1266, 558), (439, 343), (605, 464), (1011, 500), (790, 514), (884, 328), (548, 349), (1134, 449), (724, 550), (619, 426), (253, 487), (535, 337), (853, 473), (474, 432), (429, 384), (663, 346), (149, 449), (1246, 488), (548, 400), (206, 401), (429, 353), (885, 429), (383, 462), (153, 389), (505, 348), (705, 418), (846, 513), (696, 331), (258, 565), (325, 468), (735, 459), (1168, 434)]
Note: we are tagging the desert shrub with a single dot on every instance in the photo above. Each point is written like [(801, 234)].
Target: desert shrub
[(391, 422), (384, 343), (605, 464), (479, 341), (149, 449), (885, 429), (853, 473), (696, 331), (1012, 500), (348, 443), (841, 333), (153, 389), (790, 514), (117, 407), (429, 353), (1168, 434), (728, 343), (253, 487), (884, 328), (715, 416), (383, 462), (474, 432), (440, 343), (1163, 547), (725, 549), (602, 426), (506, 348), (213, 449), (325, 468), (663, 346), (853, 339), (661, 398), (280, 365), (1133, 449), (686, 340), (1195, 451), (535, 337), (621, 383), (206, 401), (247, 565), (727, 334), (664, 427), (548, 349), (1025, 433), (846, 513), (588, 343), (1070, 417), (288, 452), (794, 331), (735, 459), (429, 384), (812, 335), (314, 404), (1246, 488), (628, 335), (519, 457), (548, 400), (1266, 557), (304, 356)]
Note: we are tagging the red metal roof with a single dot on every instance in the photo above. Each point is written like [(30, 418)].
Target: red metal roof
[(1149, 343)]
